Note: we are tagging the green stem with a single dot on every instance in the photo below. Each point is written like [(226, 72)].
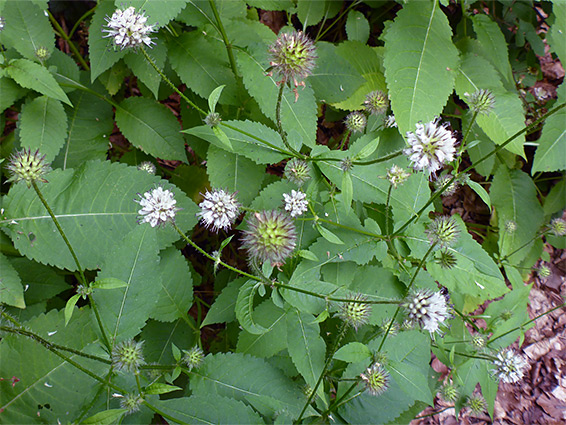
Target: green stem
[(227, 44), (279, 123), (538, 235), (465, 139), (81, 19), (68, 40), (373, 161), (341, 334), (168, 81), (352, 229), (265, 142)]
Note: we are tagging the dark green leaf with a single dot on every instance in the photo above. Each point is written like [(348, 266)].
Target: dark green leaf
[(357, 26), (11, 290), (244, 308), (270, 342)]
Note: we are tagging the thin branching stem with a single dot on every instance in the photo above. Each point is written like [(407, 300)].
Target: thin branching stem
[(72, 46)]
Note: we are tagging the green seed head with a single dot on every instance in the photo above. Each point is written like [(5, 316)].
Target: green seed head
[(27, 166)]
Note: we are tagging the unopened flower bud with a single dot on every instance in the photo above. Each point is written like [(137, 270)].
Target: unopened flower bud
[(376, 103), (397, 175), (148, 167), (449, 392), (355, 313), (356, 122), (193, 358), (27, 166), (131, 402), (376, 379), (558, 227), (480, 101), (212, 119), (476, 404), (128, 356), (297, 171), (443, 231)]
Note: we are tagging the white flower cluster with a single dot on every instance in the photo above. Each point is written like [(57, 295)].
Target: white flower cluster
[(509, 366), (158, 207), (427, 309), (128, 28), (296, 202), (431, 146), (219, 209)]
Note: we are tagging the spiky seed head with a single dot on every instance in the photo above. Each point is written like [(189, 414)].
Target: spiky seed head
[(431, 146), (293, 56), (376, 379), (477, 404), (193, 358), (449, 392), (446, 259), (219, 209), (27, 166), (42, 53), (389, 121), (481, 101), (346, 165), (397, 176), (510, 227), (478, 341), (558, 227), (543, 271), (427, 309), (506, 315), (297, 171), (295, 203), (212, 119), (391, 325), (128, 356), (355, 313), (131, 402), (271, 236), (356, 122), (509, 366), (376, 103), (158, 207), (128, 29), (380, 357), (147, 166), (443, 231), (443, 183)]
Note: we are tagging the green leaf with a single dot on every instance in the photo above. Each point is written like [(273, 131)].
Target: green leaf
[(234, 173), (134, 259), (310, 12), (494, 46), (33, 76), (151, 127), (43, 126), (328, 235), (158, 12), (307, 254), (143, 70), (271, 4), (70, 307), (555, 36), (514, 197), (347, 190), (551, 152), (201, 62), (244, 308), (223, 309), (368, 149), (109, 283), (101, 50), (334, 79), (176, 292), (270, 342), (300, 116), (419, 53), (162, 339), (158, 388), (9, 93), (253, 140), (357, 26), (90, 122), (47, 383), (224, 140), (353, 352), (106, 417), (27, 28), (40, 282), (11, 291), (208, 409), (481, 192), (305, 345), (95, 207), (214, 96), (246, 378)]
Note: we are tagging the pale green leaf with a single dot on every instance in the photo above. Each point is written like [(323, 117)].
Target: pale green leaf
[(11, 290), (214, 96), (70, 307), (481, 192), (176, 292), (109, 283), (353, 352), (151, 127), (234, 173), (94, 205), (106, 417), (159, 388), (134, 260), (224, 140), (357, 26), (347, 190), (418, 54), (270, 342), (26, 28), (33, 76), (245, 307), (328, 235), (43, 126)]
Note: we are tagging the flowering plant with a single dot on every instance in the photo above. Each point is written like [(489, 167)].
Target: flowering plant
[(213, 220)]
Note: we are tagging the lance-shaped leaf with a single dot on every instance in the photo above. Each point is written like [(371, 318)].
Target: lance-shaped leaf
[(245, 308)]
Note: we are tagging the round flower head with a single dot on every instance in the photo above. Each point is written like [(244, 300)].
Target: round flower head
[(509, 366), (128, 356), (427, 309), (390, 122), (355, 313), (297, 171), (293, 56), (212, 119), (295, 203), (148, 167), (219, 209), (376, 103), (389, 325), (131, 402), (346, 164), (543, 271), (443, 231), (158, 207), (128, 28), (193, 358), (42, 53), (397, 175), (356, 122), (431, 146), (27, 166), (510, 226), (270, 236), (446, 259), (558, 227), (481, 101), (449, 392), (477, 404), (442, 181), (376, 379), (478, 341)]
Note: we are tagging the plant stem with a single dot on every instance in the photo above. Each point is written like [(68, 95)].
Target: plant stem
[(538, 235), (227, 44), (68, 40), (341, 334), (279, 123)]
